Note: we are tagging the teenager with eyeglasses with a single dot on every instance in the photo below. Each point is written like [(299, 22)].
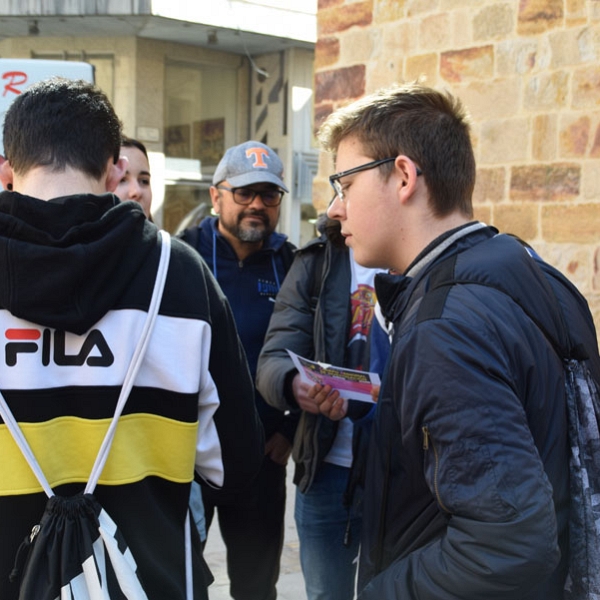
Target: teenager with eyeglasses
[(467, 479), (250, 259)]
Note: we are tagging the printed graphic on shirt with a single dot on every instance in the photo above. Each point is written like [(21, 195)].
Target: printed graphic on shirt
[(267, 288), (362, 303)]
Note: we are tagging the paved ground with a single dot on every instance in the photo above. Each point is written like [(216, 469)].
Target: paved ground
[(291, 583)]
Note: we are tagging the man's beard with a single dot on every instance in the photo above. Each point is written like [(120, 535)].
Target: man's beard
[(251, 233)]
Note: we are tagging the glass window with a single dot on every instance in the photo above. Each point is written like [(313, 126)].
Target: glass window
[(201, 109), (200, 124)]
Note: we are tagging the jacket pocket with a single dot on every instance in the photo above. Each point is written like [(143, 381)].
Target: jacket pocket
[(432, 466), (464, 478)]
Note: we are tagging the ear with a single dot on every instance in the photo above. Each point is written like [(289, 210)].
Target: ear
[(406, 173), (6, 174), (214, 197), (115, 172)]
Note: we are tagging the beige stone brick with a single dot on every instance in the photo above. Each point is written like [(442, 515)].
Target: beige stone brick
[(576, 12), (336, 19), (573, 260), (574, 135), (482, 213), (384, 73), (520, 56), (504, 141), (490, 186), (586, 87), (518, 219), (545, 183), (420, 7), (572, 46), (462, 28), (547, 91), (328, 3), (595, 149), (537, 16), (385, 11), (571, 223), (340, 84), (596, 274), (493, 21), (449, 5), (590, 180), (321, 111), (544, 137), (399, 40), (326, 165), (322, 194), (471, 63), (358, 45), (493, 99), (423, 67), (327, 52), (435, 32)]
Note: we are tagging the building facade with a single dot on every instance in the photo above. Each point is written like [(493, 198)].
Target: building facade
[(527, 70), (189, 79)]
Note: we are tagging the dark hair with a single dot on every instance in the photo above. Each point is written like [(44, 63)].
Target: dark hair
[(128, 142), (332, 229), (428, 126), (60, 123)]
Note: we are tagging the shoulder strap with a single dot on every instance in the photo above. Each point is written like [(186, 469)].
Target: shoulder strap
[(288, 251), (442, 278), (317, 279), (130, 376)]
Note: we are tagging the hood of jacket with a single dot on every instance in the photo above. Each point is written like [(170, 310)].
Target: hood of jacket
[(66, 261)]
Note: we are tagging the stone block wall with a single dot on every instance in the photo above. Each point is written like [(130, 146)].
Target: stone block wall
[(529, 73)]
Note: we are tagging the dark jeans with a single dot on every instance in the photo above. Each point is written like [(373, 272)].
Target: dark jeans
[(252, 526)]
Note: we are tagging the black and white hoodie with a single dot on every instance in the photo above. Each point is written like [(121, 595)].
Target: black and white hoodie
[(76, 276)]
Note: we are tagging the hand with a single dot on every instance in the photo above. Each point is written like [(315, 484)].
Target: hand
[(278, 449), (375, 393), (304, 394), (330, 403)]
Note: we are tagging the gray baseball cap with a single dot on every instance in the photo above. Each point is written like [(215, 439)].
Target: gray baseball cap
[(248, 163)]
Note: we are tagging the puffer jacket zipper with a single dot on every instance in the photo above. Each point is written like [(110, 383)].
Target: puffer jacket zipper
[(428, 444)]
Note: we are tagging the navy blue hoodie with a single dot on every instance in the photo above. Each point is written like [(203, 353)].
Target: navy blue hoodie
[(250, 286)]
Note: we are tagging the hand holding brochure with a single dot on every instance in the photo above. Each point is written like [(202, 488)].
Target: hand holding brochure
[(351, 384)]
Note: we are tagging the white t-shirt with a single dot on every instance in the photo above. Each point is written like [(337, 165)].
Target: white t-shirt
[(362, 302)]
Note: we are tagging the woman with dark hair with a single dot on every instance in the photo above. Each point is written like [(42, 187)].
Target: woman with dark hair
[(135, 184)]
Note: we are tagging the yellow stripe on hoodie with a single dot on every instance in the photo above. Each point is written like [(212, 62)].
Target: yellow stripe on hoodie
[(66, 447)]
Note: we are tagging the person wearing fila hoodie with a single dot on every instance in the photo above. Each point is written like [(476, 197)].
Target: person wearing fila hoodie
[(78, 269), (250, 260)]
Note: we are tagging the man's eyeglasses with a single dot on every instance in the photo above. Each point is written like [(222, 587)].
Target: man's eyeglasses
[(334, 180), (245, 196)]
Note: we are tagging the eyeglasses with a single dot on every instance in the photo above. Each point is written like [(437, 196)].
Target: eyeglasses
[(245, 196), (334, 180)]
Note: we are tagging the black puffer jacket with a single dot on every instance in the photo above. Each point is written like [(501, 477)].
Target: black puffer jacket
[(467, 491)]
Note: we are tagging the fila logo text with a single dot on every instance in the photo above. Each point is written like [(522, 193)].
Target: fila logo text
[(53, 348)]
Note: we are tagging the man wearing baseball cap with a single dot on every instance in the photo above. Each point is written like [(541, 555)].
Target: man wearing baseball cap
[(250, 260)]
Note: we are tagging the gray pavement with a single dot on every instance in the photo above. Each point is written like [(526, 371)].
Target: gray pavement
[(291, 582)]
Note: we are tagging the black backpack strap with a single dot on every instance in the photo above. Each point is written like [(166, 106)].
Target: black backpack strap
[(288, 251), (440, 282), (317, 279)]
